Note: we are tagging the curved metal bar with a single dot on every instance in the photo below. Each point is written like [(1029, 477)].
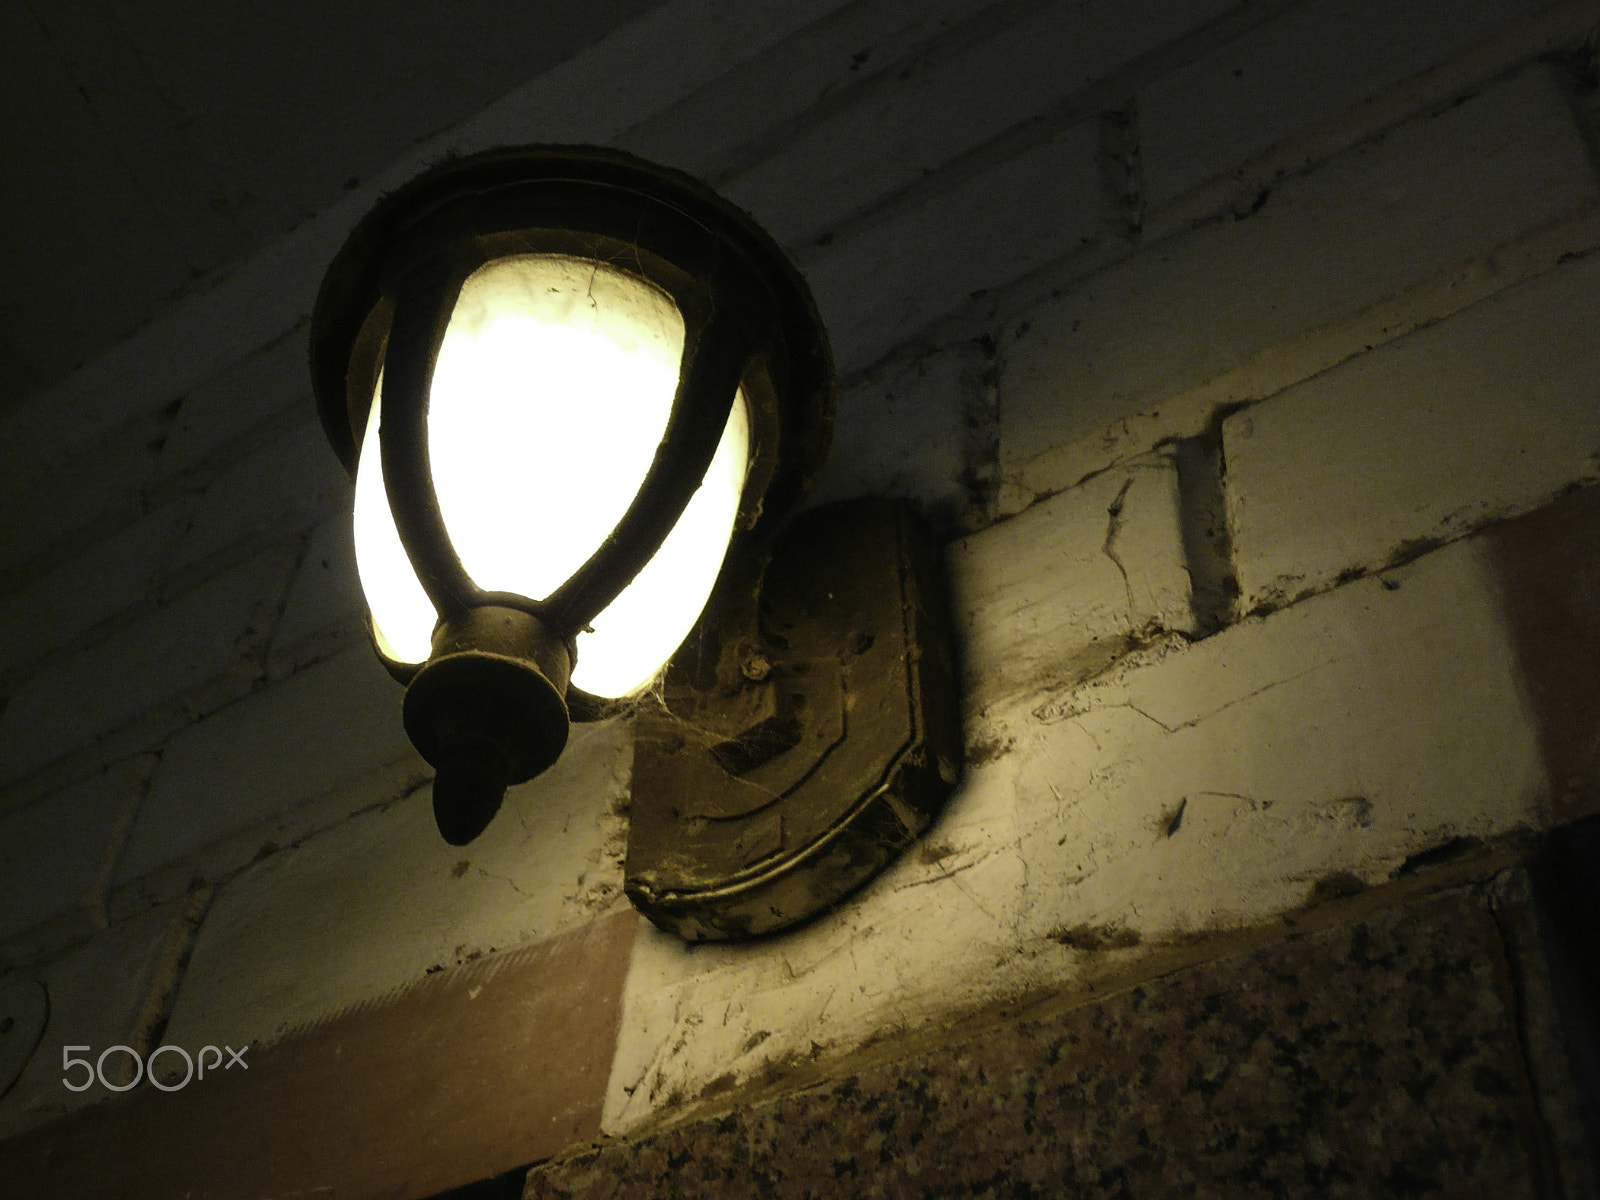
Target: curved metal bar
[(713, 364), (424, 301)]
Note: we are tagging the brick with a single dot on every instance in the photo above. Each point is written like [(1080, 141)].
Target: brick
[(276, 748), (232, 404), (309, 931), (111, 577), (711, 130), (325, 609), (1194, 789), (50, 498), (903, 434), (1054, 595), (281, 489), (1290, 73), (1432, 193), (985, 232), (579, 100), (1483, 416), (205, 639), (934, 111), (96, 992), (53, 853)]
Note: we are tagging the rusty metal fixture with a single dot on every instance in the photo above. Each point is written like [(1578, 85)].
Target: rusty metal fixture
[(490, 705), (761, 800)]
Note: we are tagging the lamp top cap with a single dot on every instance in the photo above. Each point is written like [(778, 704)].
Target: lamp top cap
[(586, 201)]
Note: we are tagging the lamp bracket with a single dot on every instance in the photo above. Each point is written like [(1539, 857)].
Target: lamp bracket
[(765, 795)]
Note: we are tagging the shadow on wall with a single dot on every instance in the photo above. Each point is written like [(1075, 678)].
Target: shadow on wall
[(1566, 889), (502, 1187)]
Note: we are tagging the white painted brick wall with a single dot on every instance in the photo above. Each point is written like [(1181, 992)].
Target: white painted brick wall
[(109, 578), (1056, 594), (274, 749), (1434, 192), (1491, 413), (202, 647), (286, 486), (1186, 789), (49, 496), (711, 131), (95, 992), (373, 904), (930, 114), (1339, 736), (878, 287), (324, 609), (1294, 71), (239, 400), (55, 856)]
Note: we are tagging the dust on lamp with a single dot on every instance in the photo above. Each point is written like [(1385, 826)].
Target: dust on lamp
[(573, 388)]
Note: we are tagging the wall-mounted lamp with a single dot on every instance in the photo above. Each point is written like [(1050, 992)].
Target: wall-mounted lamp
[(579, 394)]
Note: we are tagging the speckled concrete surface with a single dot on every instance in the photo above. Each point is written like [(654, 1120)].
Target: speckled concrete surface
[(1377, 1059)]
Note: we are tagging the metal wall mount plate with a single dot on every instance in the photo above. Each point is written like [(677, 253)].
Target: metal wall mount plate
[(765, 794)]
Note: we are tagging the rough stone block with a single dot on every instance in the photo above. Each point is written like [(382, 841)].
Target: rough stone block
[(1057, 593), (1194, 789), (382, 900), (1294, 71), (935, 110), (109, 578), (1379, 1058), (1483, 416), (276, 748), (54, 854), (881, 284), (1434, 192), (207, 638)]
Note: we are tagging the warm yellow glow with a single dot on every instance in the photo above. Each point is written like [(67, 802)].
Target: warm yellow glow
[(552, 390), (649, 619), (402, 615)]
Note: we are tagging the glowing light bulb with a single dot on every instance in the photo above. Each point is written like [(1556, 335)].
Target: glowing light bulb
[(553, 387)]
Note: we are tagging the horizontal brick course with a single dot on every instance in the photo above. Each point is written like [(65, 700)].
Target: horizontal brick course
[(717, 129), (110, 578), (879, 286), (286, 486), (205, 641), (931, 113), (1483, 416), (1053, 596), (266, 753), (324, 609), (1291, 72), (54, 854), (1437, 191), (382, 900)]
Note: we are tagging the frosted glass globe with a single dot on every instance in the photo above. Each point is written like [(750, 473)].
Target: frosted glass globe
[(552, 390)]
